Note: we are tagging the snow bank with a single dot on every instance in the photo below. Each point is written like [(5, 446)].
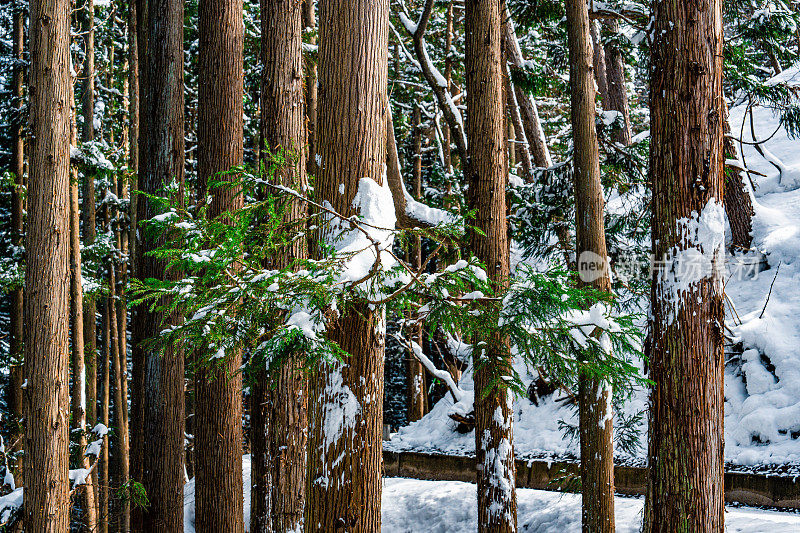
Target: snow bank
[(415, 506)]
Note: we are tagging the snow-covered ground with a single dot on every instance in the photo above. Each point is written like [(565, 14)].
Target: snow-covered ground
[(414, 506), (762, 388)]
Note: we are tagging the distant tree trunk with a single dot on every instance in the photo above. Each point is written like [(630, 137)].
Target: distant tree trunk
[(344, 474), (279, 417), (530, 115), (616, 97), (598, 60), (121, 463), (46, 397), (596, 426), (448, 76), (310, 24), (88, 207), (88, 520), (416, 372), (16, 377), (685, 488), (137, 351), (159, 375), (521, 145), (737, 200), (218, 387), (104, 508), (487, 176)]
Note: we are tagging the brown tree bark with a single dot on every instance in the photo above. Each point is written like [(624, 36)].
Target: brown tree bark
[(448, 76), (137, 353), (16, 311), (598, 60), (46, 397), (417, 396), (88, 520), (487, 176), (86, 28), (528, 111), (344, 471), (685, 488), (737, 200), (104, 492), (616, 97), (218, 387), (159, 375), (310, 24), (595, 425), (279, 417)]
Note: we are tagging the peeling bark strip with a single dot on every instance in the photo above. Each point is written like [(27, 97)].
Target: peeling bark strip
[(279, 417), (159, 376), (596, 426), (346, 408), (218, 387), (685, 488), (487, 174), (46, 398)]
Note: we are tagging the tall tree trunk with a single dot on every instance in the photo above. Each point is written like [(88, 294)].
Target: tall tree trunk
[(218, 387), (279, 418), (88, 520), (448, 76), (14, 391), (138, 352), (487, 176), (344, 474), (47, 283), (416, 372), (520, 146), (104, 492), (737, 200), (86, 27), (530, 115), (310, 24), (685, 488), (159, 375), (598, 59), (121, 462), (616, 97), (595, 425)]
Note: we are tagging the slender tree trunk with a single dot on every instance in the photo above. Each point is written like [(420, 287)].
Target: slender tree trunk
[(218, 387), (596, 425), (47, 275), (344, 475), (138, 352), (530, 115), (520, 146), (737, 200), (14, 397), (159, 375), (121, 462), (448, 76), (310, 24), (487, 176), (685, 489), (88, 520), (279, 417), (417, 390), (598, 60), (86, 27), (616, 97), (104, 512)]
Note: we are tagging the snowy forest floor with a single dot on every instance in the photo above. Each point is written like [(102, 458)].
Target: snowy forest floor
[(417, 506)]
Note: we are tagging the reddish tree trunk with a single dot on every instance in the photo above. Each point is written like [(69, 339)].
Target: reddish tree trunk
[(685, 489), (46, 398)]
